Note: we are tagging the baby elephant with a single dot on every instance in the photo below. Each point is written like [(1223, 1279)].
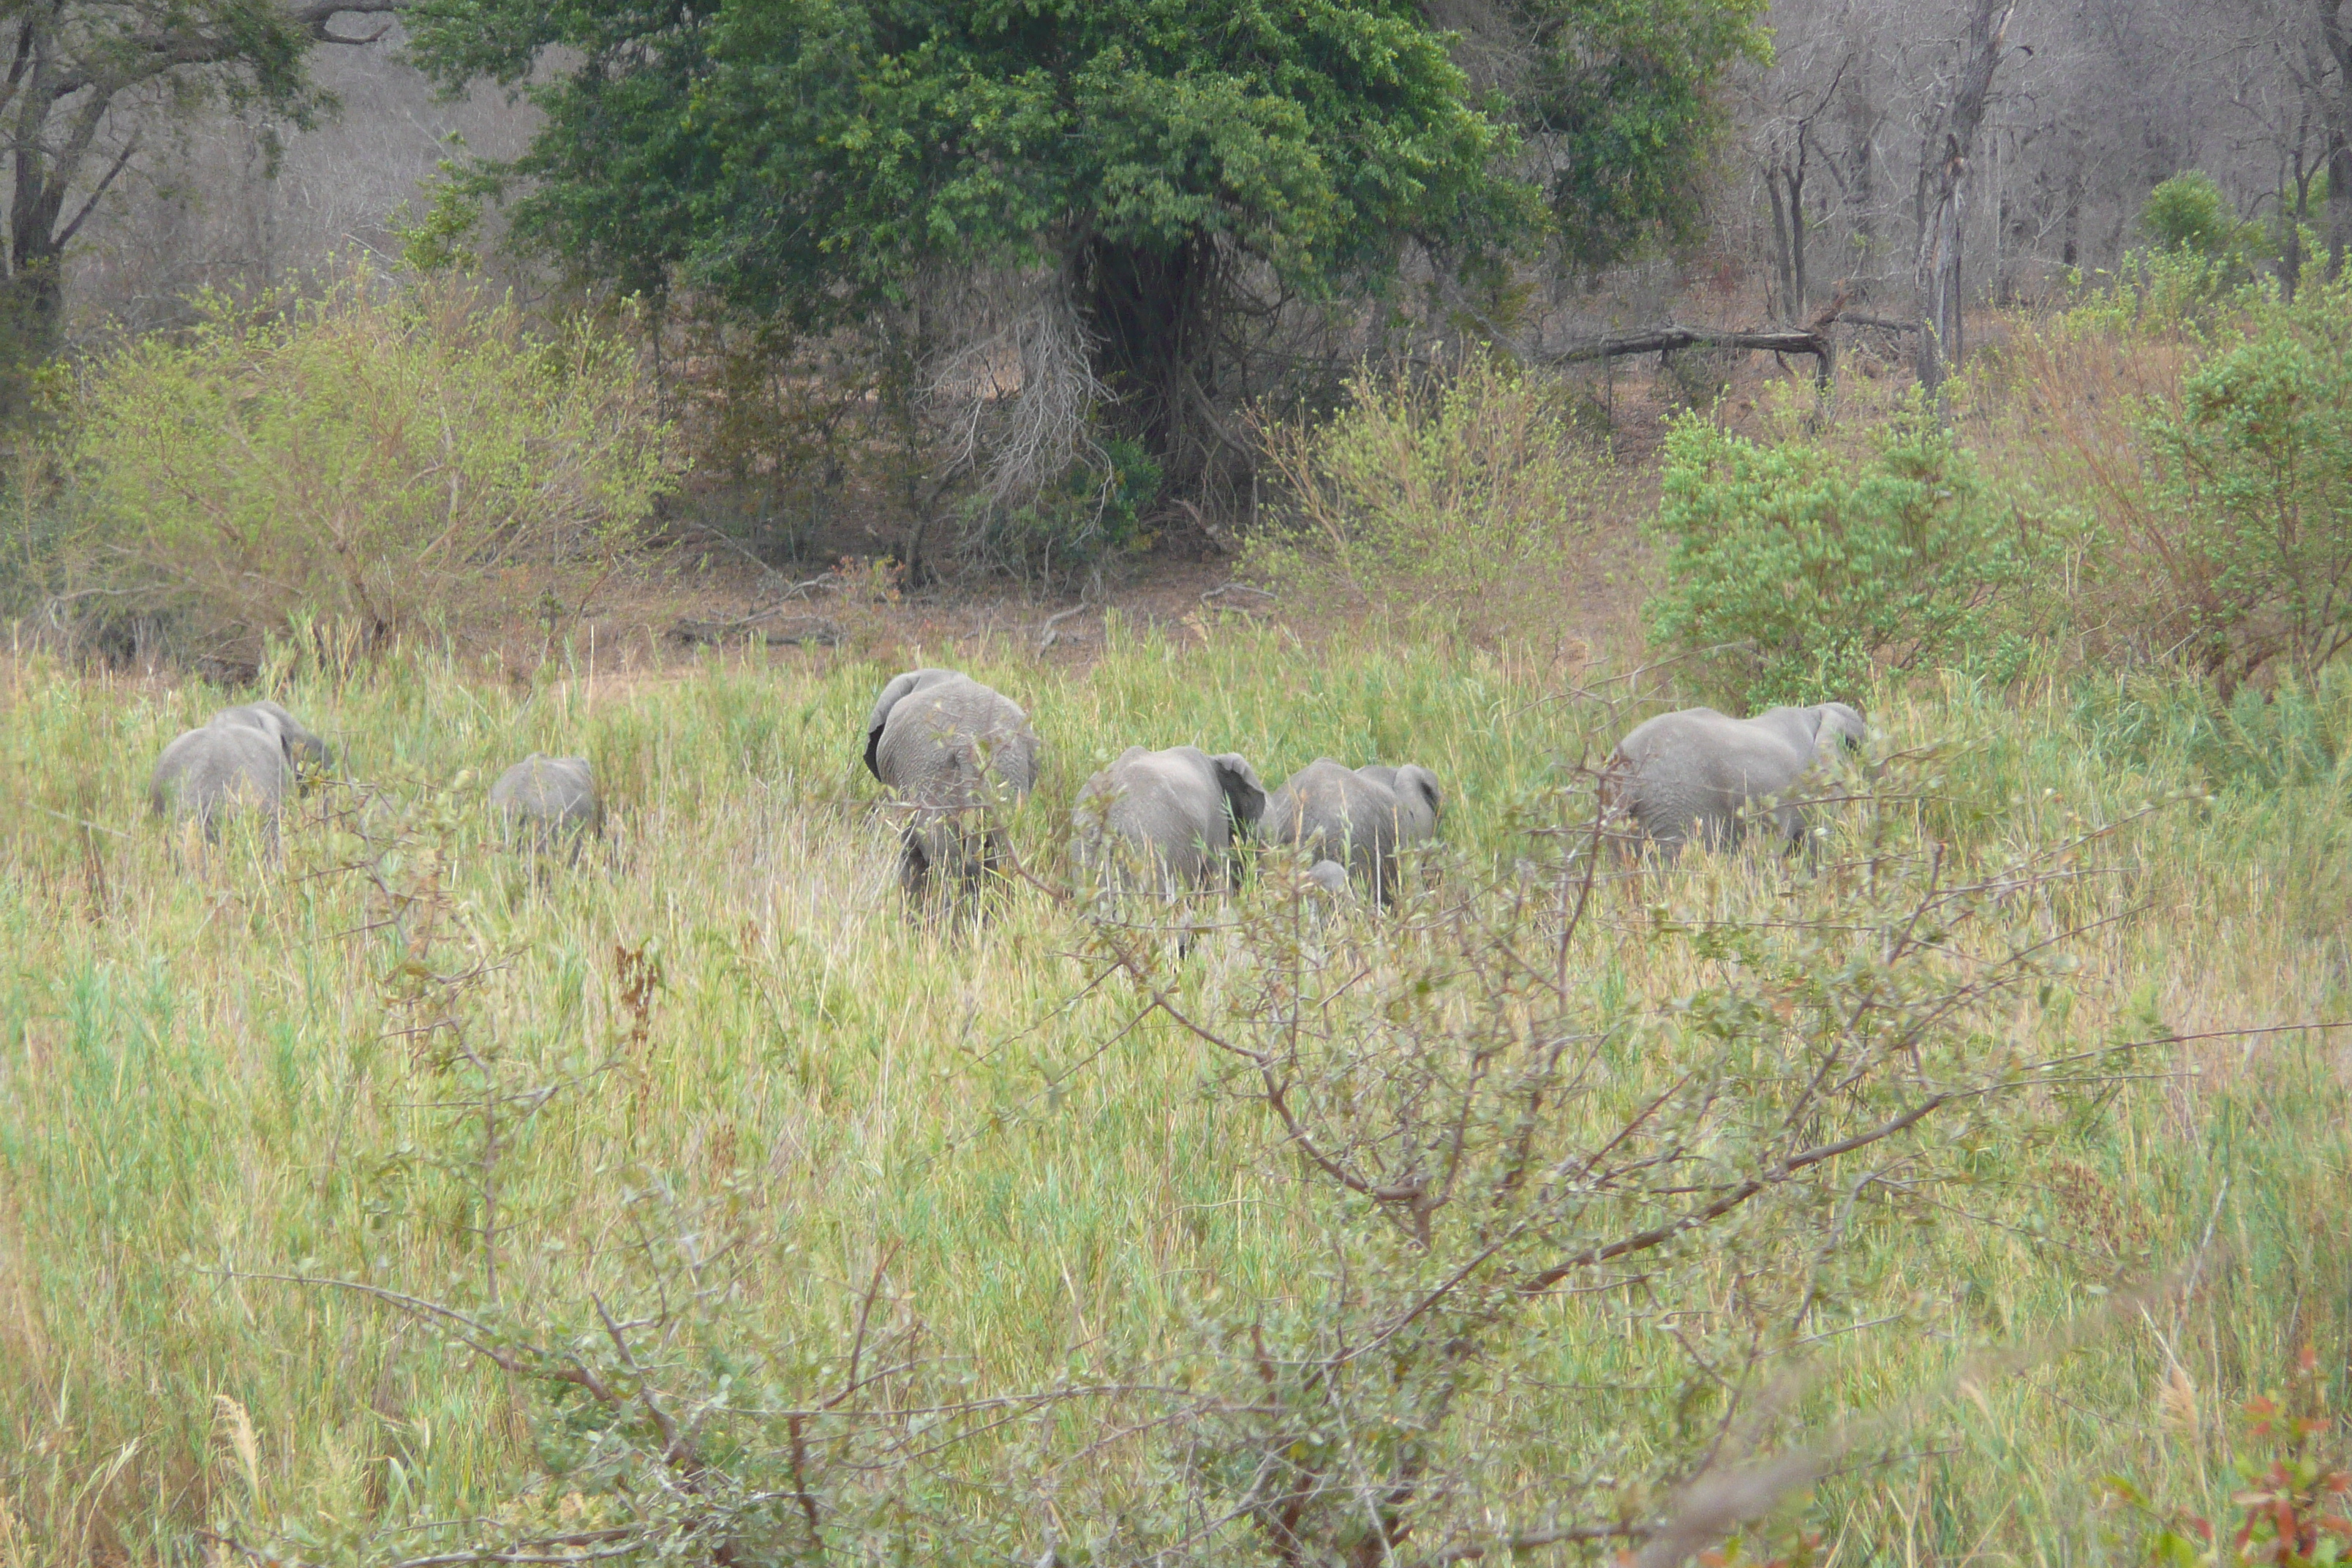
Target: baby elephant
[(1359, 817), (1169, 817), (243, 759), (547, 802), (1693, 774), (947, 745)]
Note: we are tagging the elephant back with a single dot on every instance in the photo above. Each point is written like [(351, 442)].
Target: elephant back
[(936, 738), (1332, 813), (210, 773), (548, 789), (302, 746)]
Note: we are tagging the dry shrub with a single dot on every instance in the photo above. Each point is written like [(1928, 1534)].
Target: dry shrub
[(2081, 393), (389, 462), (1461, 498)]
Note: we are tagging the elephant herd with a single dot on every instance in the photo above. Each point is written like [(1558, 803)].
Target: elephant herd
[(1165, 821), (1173, 820), (1168, 821)]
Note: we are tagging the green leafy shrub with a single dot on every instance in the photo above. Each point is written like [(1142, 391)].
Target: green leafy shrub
[(1792, 574), (387, 462), (2188, 212), (1463, 497), (2248, 495)]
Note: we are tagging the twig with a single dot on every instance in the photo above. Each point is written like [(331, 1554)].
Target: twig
[(1048, 636)]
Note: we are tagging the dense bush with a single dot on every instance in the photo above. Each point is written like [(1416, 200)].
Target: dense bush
[(1462, 498), (389, 463), (1793, 573), (2250, 492)]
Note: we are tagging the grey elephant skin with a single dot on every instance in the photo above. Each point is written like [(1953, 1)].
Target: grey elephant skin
[(304, 749), (947, 746), (1358, 817), (1693, 775), (1170, 818), (545, 803), (242, 759)]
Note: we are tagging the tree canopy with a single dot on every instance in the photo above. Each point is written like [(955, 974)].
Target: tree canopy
[(810, 159)]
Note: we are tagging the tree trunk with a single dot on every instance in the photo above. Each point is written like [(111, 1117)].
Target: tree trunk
[(31, 325), (1781, 253), (1941, 203), (2336, 114), (1802, 299), (1150, 313)]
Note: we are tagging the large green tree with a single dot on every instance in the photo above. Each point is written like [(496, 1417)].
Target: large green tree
[(810, 159)]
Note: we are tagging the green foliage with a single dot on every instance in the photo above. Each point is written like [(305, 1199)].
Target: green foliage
[(1822, 572), (2189, 212), (1462, 498), (805, 157), (1627, 94), (2293, 737), (2250, 486), (386, 463), (442, 238)]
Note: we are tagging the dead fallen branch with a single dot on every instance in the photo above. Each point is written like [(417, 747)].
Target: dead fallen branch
[(1669, 340)]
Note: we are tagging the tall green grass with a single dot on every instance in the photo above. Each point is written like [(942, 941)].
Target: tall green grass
[(198, 1077)]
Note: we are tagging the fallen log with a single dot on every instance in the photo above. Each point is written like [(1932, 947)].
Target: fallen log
[(1667, 340)]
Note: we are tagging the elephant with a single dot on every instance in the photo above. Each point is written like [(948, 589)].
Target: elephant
[(211, 773), (304, 750), (1358, 817), (945, 745), (1180, 810), (1693, 772), (547, 801)]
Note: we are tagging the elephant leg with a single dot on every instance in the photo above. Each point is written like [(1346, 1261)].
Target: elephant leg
[(914, 864)]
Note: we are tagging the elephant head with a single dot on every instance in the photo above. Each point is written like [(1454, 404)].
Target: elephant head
[(304, 750)]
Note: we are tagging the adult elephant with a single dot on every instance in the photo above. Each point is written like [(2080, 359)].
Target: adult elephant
[(545, 803), (1358, 817), (1693, 775), (951, 748), (1171, 816), (242, 759)]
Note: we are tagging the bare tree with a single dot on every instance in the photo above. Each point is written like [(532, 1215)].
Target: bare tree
[(87, 83), (1942, 197)]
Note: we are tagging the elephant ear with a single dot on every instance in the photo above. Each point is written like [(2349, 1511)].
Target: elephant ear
[(1244, 795), (880, 718), (272, 720), (1424, 783), (1840, 722)]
